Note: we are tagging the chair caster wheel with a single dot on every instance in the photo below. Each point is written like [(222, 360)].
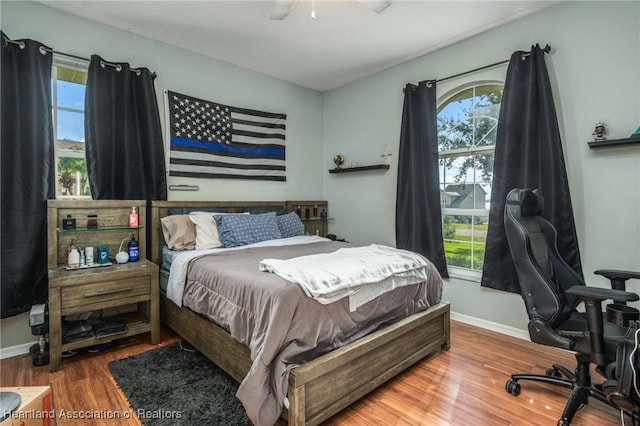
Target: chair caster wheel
[(562, 423), (553, 372), (513, 387)]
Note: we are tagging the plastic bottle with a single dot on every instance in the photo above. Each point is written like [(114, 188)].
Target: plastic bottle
[(133, 218), (134, 252), (73, 256)]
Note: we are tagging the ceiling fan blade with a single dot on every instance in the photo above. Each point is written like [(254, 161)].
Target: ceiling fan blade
[(281, 8), (376, 5)]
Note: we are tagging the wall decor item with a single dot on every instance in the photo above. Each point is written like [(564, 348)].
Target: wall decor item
[(636, 134), (338, 160), (211, 140)]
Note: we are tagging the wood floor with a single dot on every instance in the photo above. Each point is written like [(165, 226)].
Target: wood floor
[(462, 386)]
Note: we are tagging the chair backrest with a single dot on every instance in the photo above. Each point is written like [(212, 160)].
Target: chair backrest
[(542, 274)]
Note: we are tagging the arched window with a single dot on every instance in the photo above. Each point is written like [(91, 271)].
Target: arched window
[(467, 124)]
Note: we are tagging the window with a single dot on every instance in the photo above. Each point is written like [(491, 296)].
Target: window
[(467, 123), (68, 83)]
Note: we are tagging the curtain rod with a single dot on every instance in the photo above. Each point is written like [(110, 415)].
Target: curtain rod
[(546, 49), (69, 55)]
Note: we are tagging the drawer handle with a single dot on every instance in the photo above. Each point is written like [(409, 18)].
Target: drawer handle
[(105, 292)]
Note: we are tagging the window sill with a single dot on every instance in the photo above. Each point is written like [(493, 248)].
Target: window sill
[(464, 274)]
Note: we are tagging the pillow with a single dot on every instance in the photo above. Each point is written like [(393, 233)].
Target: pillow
[(290, 225), (240, 230), (179, 232), (207, 230)]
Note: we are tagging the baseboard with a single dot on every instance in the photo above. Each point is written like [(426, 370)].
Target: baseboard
[(15, 350), (490, 325)]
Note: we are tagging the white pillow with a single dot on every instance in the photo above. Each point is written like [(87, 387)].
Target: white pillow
[(206, 229)]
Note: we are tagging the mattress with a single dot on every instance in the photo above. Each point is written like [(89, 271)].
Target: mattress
[(280, 325)]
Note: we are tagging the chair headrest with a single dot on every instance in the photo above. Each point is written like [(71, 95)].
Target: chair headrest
[(531, 202)]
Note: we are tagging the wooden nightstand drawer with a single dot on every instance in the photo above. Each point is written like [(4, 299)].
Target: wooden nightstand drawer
[(105, 291)]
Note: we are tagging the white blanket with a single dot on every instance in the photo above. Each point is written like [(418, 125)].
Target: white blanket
[(361, 273)]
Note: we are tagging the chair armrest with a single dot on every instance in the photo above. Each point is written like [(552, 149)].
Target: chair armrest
[(592, 298), (618, 278), (615, 274), (600, 294)]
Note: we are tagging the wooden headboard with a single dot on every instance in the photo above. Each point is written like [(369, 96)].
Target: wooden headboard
[(160, 209)]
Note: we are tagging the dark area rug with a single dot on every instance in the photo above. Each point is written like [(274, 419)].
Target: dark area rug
[(174, 386)]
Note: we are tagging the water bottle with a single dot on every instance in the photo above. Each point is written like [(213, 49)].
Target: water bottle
[(134, 252)]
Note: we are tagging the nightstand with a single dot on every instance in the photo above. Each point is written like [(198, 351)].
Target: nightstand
[(93, 289)]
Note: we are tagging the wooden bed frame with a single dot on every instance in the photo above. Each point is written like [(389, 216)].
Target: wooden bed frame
[(320, 388)]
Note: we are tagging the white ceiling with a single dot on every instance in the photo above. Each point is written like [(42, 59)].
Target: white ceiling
[(345, 42)]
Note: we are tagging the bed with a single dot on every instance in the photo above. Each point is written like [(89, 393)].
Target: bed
[(324, 385)]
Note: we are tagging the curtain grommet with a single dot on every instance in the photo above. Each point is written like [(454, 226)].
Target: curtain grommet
[(22, 45), (42, 50), (118, 67)]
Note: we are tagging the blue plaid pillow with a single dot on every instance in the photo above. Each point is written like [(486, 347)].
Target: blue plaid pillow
[(290, 225), (240, 230)]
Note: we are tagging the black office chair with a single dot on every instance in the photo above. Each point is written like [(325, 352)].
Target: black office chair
[(551, 291)]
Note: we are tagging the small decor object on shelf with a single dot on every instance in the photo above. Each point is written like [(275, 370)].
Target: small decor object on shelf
[(385, 155), (636, 134), (92, 221), (122, 256), (599, 131), (103, 255), (338, 159), (69, 222), (88, 256), (73, 256)]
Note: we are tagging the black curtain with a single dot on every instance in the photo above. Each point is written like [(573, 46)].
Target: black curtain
[(124, 148), (28, 173), (418, 210), (528, 155)]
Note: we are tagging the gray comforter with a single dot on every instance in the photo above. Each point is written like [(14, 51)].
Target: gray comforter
[(281, 326)]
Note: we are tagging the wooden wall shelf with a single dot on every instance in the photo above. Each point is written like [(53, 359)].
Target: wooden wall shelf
[(614, 142), (360, 169)]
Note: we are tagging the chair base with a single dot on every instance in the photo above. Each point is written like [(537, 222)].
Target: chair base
[(581, 391)]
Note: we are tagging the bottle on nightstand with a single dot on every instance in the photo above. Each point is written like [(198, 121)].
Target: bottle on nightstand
[(134, 251), (133, 218), (73, 256)]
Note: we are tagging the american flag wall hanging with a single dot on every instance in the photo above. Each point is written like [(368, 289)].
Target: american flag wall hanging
[(210, 140)]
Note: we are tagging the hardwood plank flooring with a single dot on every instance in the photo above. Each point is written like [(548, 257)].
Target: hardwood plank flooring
[(462, 386)]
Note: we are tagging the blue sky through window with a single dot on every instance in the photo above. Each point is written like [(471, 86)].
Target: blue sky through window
[(70, 125)]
